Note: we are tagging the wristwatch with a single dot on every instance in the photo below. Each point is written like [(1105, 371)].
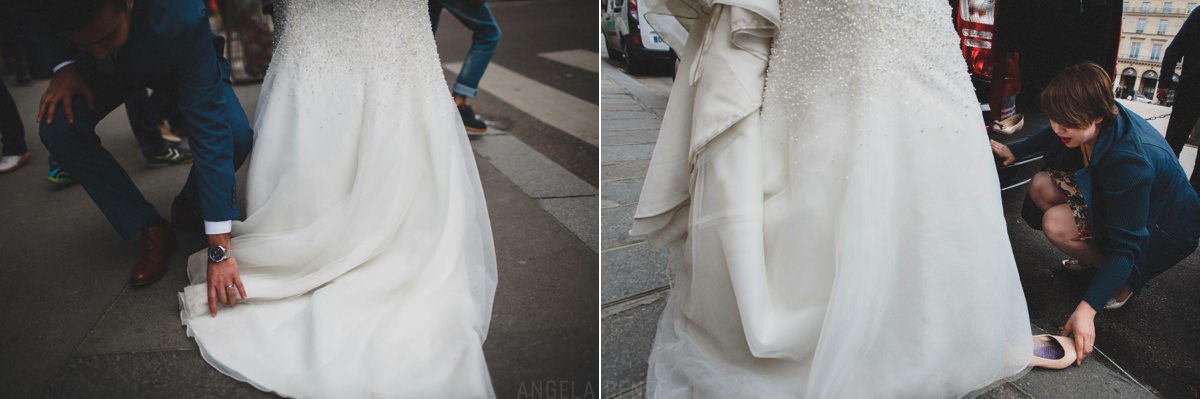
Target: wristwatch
[(218, 254)]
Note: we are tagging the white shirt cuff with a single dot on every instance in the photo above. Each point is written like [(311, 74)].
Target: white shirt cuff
[(61, 65), (214, 228)]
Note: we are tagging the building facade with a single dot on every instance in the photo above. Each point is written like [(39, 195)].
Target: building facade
[(1147, 28)]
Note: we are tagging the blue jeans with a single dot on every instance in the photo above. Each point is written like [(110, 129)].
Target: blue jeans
[(485, 37)]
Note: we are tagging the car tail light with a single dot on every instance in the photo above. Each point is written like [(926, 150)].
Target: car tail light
[(633, 22), (976, 23), (983, 44), (1006, 84), (978, 11), (981, 34)]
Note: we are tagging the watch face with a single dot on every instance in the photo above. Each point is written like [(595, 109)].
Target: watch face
[(216, 254)]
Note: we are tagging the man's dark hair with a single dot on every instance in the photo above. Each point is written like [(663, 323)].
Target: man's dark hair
[(73, 15)]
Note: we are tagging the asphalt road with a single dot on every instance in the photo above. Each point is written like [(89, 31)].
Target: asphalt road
[(532, 28)]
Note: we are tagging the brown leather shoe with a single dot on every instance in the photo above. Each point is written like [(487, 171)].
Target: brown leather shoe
[(186, 217), (157, 244)]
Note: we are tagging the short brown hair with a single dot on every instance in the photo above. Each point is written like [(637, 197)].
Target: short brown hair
[(1079, 94)]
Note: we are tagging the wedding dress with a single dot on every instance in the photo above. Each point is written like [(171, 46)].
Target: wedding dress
[(366, 251), (824, 178)]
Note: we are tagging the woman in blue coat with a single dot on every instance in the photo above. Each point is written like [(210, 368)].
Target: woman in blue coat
[(1129, 212)]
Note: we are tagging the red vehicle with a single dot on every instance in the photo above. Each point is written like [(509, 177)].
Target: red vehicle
[(1014, 47)]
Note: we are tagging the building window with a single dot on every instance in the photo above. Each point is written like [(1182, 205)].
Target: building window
[(1191, 6), (1162, 26), (1126, 7), (1156, 52), (1134, 49), (1145, 6), (1167, 7), (1141, 26)]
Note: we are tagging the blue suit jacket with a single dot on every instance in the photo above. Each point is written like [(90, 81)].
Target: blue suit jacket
[(171, 47), (1143, 212)]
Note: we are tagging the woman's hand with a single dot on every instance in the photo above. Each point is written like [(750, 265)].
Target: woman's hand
[(1082, 325), (1003, 152)]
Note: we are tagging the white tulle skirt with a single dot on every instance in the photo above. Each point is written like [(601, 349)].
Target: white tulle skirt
[(367, 251), (847, 241)]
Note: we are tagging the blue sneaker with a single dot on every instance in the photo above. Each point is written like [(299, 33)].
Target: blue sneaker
[(59, 176)]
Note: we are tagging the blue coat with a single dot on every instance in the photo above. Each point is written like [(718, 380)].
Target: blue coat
[(171, 47), (1144, 214)]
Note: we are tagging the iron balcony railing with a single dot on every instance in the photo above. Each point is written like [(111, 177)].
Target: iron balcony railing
[(1158, 11)]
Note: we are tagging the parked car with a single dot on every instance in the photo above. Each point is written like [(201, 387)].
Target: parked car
[(1047, 35), (1143, 100), (628, 37)]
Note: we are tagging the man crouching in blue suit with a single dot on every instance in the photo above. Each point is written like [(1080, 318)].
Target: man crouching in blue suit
[(163, 45)]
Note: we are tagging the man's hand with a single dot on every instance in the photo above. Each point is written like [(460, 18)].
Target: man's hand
[(1162, 95), (1082, 326), (65, 84), (224, 282), (1003, 152)]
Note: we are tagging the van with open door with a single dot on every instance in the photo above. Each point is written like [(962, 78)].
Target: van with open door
[(1014, 47)]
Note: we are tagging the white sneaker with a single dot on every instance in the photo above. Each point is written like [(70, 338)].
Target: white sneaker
[(168, 135), (9, 163)]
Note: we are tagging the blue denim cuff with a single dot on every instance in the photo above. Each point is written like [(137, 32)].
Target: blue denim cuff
[(463, 90)]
